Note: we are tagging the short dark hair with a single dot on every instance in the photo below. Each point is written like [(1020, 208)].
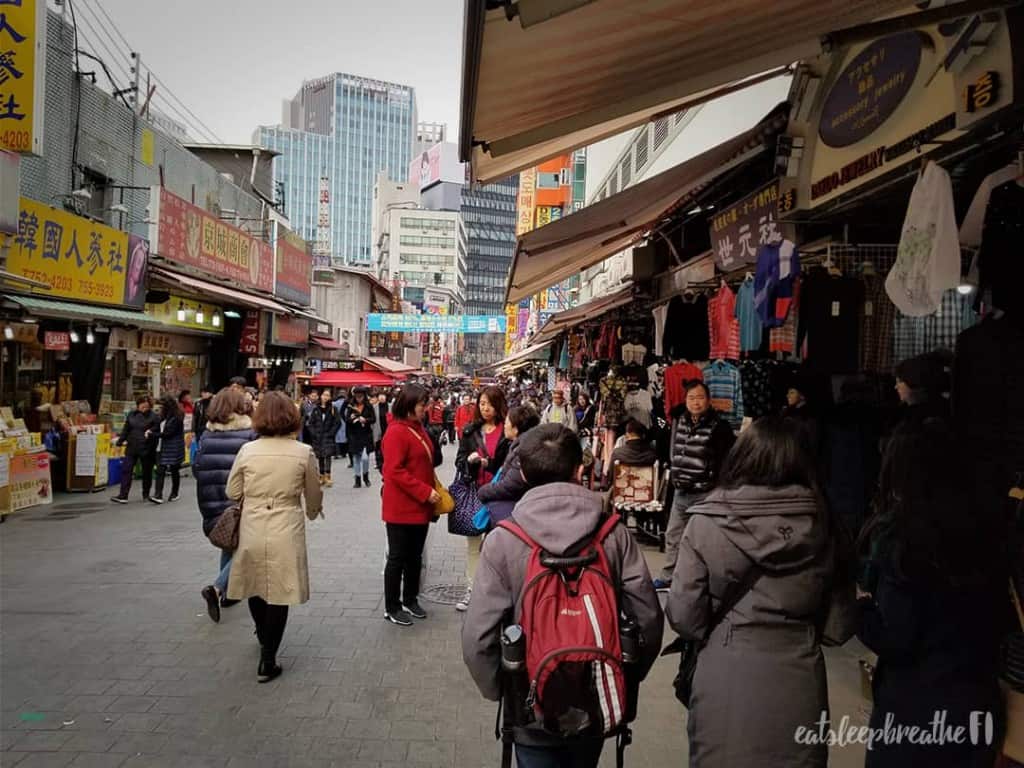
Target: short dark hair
[(276, 415), (634, 427), (524, 418), (207, 387), (183, 394), (550, 453), (772, 452), (143, 399), (227, 403), (694, 383), (496, 397), (238, 381), (408, 398), (169, 406)]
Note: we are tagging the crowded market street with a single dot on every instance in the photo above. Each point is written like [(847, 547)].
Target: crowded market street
[(110, 660)]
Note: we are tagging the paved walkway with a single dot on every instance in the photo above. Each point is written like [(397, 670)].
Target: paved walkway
[(109, 659)]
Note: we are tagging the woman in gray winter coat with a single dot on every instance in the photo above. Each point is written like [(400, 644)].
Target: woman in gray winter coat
[(763, 548)]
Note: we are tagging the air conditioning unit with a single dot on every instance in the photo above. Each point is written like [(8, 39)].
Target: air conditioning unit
[(345, 334)]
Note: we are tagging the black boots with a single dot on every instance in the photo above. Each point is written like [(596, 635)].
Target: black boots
[(366, 479), (268, 668), (359, 483)]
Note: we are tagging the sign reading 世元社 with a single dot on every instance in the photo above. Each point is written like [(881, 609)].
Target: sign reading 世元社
[(187, 234), (427, 323), (294, 267), (22, 75), (79, 259), (739, 230)]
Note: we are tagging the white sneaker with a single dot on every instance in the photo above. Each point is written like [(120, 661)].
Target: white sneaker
[(463, 605)]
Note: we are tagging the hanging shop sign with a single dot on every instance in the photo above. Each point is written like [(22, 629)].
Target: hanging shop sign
[(900, 97), (338, 365), (22, 75), (57, 341), (187, 234), (543, 215), (249, 344), (289, 331), (182, 312), (152, 341), (426, 323), (738, 231), (79, 259), (294, 268), (526, 201)]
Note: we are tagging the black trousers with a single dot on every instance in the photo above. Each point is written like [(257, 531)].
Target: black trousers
[(325, 464), (147, 460), (405, 558), (161, 473), (270, 622)]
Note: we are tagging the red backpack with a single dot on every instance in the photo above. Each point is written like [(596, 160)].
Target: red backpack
[(569, 613)]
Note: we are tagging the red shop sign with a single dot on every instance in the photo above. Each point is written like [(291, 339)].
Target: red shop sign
[(294, 268), (189, 235), (58, 341), (250, 341)]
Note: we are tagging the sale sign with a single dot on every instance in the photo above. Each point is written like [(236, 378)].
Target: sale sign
[(58, 341)]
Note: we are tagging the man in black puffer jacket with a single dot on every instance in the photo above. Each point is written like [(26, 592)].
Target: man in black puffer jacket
[(701, 439), (228, 428)]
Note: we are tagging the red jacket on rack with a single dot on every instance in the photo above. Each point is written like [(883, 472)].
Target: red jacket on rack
[(676, 377)]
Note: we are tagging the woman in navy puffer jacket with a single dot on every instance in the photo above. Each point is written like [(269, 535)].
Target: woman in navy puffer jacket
[(228, 428)]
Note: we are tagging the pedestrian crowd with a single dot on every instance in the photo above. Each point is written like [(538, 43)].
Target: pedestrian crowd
[(563, 619)]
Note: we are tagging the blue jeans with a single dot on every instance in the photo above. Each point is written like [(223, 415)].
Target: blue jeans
[(361, 463), (584, 754), (225, 571)]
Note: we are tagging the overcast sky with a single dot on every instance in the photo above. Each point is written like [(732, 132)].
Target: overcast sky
[(233, 61)]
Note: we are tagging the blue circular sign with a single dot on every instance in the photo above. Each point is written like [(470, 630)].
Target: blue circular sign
[(870, 89)]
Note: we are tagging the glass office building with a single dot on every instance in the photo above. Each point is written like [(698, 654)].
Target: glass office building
[(343, 128), (489, 216)]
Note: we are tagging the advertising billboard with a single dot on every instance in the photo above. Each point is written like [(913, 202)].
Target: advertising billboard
[(79, 259), (427, 323), (437, 164), (189, 235), (294, 268)]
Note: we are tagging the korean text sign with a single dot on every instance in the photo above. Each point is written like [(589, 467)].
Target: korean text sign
[(738, 231), (187, 234), (22, 65), (294, 268), (428, 323), (79, 259)]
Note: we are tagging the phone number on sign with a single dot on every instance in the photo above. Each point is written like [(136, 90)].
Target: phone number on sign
[(16, 141), (95, 290)]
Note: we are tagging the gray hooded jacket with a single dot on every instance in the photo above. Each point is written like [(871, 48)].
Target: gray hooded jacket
[(558, 517)]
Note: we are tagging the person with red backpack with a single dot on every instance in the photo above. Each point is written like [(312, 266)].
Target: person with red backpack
[(567, 581)]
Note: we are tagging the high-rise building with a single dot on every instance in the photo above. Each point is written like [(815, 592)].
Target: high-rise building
[(344, 129), (489, 215)]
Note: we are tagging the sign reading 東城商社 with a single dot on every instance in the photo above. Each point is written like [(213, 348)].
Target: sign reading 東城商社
[(429, 323)]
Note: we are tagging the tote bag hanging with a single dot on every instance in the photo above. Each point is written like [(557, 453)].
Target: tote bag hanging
[(460, 520)]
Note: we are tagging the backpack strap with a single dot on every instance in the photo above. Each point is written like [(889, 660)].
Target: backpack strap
[(606, 528), (514, 528)]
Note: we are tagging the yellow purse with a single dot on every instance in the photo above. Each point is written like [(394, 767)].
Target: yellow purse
[(446, 503)]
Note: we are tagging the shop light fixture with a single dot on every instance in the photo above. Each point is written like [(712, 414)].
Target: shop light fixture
[(73, 335), (8, 332), (200, 317), (232, 314), (90, 338), (964, 289), (215, 319), (181, 311)]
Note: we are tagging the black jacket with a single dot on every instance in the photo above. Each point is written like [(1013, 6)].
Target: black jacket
[(199, 417), (698, 450), (320, 426), (133, 435), (501, 497), (214, 459), (382, 418), (172, 442), (360, 436), (635, 453), (473, 440)]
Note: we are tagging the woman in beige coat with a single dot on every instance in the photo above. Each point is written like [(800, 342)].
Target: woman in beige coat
[(270, 568)]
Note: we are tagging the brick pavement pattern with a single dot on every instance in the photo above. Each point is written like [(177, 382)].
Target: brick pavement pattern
[(109, 659)]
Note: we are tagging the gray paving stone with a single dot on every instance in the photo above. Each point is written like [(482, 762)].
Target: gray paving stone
[(98, 760)]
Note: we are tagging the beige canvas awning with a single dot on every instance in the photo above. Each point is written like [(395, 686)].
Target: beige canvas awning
[(533, 89), (570, 318), (530, 354), (563, 248)]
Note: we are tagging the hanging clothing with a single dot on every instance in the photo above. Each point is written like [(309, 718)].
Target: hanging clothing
[(676, 377), (878, 314), (1000, 262), (973, 226), (928, 258), (640, 406), (751, 328), (942, 328), (660, 316), (830, 308), (613, 401), (723, 326), (687, 332), (656, 380), (633, 354), (908, 337), (783, 337), (757, 391), (726, 387), (778, 267)]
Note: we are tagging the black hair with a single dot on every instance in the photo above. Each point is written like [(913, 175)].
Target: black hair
[(496, 397), (693, 384), (238, 381), (634, 427), (408, 398), (143, 399), (524, 418), (773, 452), (169, 407), (550, 453)]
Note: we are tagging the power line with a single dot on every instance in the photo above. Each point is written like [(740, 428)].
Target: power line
[(169, 93), (97, 41), (113, 26)]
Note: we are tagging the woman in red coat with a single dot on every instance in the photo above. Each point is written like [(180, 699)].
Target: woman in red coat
[(407, 503)]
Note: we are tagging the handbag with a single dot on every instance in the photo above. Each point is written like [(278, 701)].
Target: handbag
[(446, 503), (224, 533), (690, 649), (460, 520)]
